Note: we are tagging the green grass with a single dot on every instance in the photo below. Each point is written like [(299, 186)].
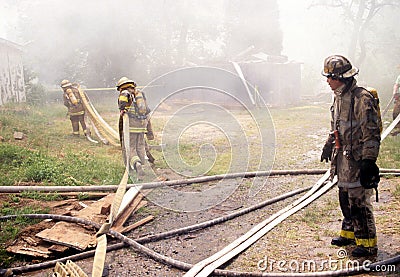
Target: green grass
[(11, 228), (49, 155), (389, 155), (39, 166)]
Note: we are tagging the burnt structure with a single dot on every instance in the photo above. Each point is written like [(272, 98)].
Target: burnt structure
[(12, 88)]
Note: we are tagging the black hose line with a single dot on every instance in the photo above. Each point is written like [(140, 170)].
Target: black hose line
[(151, 185), (181, 265), (203, 179), (221, 219), (159, 236), (185, 266)]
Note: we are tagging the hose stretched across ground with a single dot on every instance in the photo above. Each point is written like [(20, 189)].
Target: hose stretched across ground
[(203, 179), (167, 234), (186, 266), (205, 267), (193, 227)]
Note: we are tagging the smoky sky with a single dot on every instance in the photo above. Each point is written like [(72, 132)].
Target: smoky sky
[(96, 42)]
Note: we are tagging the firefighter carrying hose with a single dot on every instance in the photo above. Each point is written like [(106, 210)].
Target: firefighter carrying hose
[(76, 110), (396, 108), (353, 147), (133, 102)]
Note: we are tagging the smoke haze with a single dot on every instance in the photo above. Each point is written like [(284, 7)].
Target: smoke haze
[(96, 42)]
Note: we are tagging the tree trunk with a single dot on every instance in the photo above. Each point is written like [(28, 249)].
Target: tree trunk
[(358, 22)]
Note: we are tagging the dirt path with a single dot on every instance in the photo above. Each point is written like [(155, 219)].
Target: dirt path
[(301, 238)]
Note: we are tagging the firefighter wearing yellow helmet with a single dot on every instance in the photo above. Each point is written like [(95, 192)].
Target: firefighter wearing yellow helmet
[(133, 102), (76, 110), (353, 147)]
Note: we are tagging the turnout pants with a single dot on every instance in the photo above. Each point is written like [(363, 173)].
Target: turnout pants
[(358, 222), (75, 120), (137, 151)]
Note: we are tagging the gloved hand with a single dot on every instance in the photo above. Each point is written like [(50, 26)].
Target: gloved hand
[(150, 135), (369, 174), (122, 112), (326, 152)]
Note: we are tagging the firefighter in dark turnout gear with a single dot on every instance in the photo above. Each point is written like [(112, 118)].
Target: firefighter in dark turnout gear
[(353, 154), (76, 110), (133, 102), (396, 108)]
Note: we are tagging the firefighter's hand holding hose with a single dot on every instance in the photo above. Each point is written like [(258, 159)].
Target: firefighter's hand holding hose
[(122, 112)]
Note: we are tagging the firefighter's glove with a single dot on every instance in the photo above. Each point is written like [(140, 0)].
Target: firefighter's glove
[(150, 135), (122, 112), (369, 174), (326, 152)]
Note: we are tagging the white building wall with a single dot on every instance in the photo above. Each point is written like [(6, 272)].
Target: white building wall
[(12, 85)]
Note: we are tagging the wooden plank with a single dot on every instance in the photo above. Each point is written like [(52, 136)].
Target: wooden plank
[(93, 211), (34, 251), (74, 235), (129, 196), (135, 225), (123, 217), (68, 234)]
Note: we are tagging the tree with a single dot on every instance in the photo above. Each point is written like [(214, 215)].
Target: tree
[(359, 14), (95, 42)]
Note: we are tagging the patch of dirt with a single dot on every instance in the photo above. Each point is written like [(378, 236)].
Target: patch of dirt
[(304, 236)]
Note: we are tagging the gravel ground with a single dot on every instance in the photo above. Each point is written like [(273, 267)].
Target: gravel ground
[(302, 237)]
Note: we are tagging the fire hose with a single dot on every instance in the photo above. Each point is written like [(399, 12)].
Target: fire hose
[(187, 229), (207, 266), (210, 265), (185, 266), (106, 132), (168, 234), (181, 182)]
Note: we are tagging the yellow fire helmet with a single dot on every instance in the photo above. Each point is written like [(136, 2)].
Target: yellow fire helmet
[(124, 81), (65, 84)]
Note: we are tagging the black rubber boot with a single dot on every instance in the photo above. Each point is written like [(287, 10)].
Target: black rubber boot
[(361, 251), (341, 241)]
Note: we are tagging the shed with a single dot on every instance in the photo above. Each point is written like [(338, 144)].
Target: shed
[(12, 85), (275, 79)]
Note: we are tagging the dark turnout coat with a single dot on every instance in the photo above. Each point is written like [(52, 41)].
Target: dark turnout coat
[(354, 114)]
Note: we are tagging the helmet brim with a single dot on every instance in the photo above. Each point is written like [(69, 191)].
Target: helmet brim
[(350, 73), (125, 83), (66, 85)]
